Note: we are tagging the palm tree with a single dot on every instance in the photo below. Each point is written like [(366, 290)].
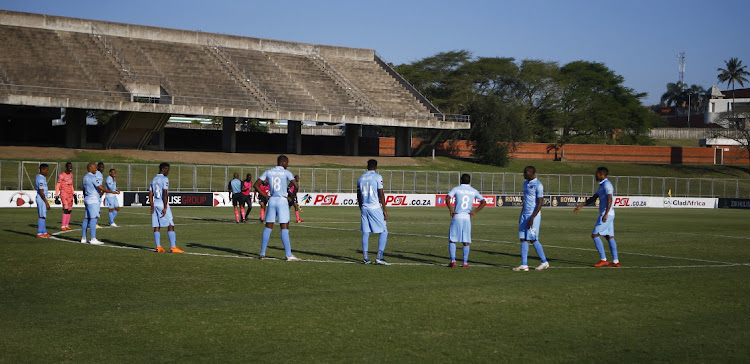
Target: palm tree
[(734, 72), (674, 94)]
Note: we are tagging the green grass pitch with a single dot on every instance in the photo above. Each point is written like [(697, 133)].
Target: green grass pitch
[(681, 295)]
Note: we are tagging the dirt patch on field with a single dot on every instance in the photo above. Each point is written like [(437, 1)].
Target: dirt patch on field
[(59, 154)]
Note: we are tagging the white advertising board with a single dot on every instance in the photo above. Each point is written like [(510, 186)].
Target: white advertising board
[(28, 199), (350, 199), (666, 202)]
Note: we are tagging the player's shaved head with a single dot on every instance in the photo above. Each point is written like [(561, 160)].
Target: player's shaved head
[(531, 169), (603, 170), (372, 164), (282, 159), (236, 175), (465, 179), (91, 167)]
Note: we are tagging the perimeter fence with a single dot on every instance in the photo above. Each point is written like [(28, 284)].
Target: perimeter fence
[(19, 175)]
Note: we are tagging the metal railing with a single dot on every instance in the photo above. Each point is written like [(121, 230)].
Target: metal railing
[(19, 175)]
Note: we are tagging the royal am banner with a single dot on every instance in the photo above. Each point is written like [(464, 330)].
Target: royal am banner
[(489, 199)]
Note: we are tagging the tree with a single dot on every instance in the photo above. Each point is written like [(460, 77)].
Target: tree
[(734, 72), (495, 126), (737, 124), (674, 94)]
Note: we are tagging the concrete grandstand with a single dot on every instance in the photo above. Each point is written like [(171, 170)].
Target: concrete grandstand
[(148, 73)]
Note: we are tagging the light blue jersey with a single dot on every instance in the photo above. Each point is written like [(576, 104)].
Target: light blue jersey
[(41, 186), (236, 185), (605, 188), (158, 185), (464, 195), (368, 185), (532, 191), (278, 179), (41, 197), (111, 184), (90, 186)]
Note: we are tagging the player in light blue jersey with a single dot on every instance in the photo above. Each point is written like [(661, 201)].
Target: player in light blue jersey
[(110, 198), (92, 190), (373, 215), (42, 205), (278, 179), (100, 175), (605, 223), (460, 202), (531, 219), (161, 214)]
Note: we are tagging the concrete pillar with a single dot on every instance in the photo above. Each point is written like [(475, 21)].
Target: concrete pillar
[(75, 128), (294, 137), (403, 142), (229, 135), (352, 132)]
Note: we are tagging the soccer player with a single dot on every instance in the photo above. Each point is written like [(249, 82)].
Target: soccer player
[(161, 214), (373, 215), (461, 214), (293, 202), (247, 197), (263, 201), (235, 194), (64, 192), (42, 205), (605, 223), (111, 199), (278, 179), (92, 190), (531, 219), (99, 174)]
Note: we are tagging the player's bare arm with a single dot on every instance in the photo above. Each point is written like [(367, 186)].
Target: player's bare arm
[(381, 194), (451, 208), (165, 194), (294, 192), (151, 199), (103, 189), (482, 204), (588, 201), (259, 190), (609, 206), (537, 210)]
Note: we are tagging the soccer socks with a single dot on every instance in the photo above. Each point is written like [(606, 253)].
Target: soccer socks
[(540, 251), (172, 238), (157, 238), (242, 211), (613, 249), (286, 242), (111, 217), (65, 219), (296, 213), (263, 214), (365, 245), (382, 240), (264, 241), (600, 248), (524, 253), (92, 228), (452, 250), (466, 253), (84, 226), (236, 215), (249, 208), (41, 226)]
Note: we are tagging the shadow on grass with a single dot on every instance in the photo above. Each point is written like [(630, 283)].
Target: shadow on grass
[(23, 233), (316, 254), (221, 249), (518, 256), (126, 245), (439, 259)]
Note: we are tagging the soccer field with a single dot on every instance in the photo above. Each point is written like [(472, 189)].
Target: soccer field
[(681, 294)]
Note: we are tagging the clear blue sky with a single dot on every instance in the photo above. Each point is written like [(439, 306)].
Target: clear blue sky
[(637, 39)]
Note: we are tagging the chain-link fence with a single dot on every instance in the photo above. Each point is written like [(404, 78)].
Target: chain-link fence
[(18, 175)]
